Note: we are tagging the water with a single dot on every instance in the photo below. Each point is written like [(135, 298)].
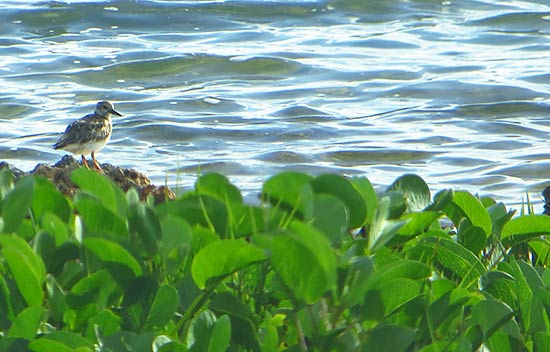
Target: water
[(456, 92)]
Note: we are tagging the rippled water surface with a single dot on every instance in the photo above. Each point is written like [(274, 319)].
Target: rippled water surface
[(455, 91)]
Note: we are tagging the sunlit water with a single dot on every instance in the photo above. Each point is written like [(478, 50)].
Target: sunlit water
[(454, 91)]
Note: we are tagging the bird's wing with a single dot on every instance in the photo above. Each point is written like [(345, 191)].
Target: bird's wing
[(78, 131)]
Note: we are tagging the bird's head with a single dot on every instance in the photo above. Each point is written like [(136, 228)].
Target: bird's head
[(106, 108)]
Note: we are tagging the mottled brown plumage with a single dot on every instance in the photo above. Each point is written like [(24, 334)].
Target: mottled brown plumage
[(89, 134)]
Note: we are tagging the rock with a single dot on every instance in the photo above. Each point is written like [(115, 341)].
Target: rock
[(60, 175)]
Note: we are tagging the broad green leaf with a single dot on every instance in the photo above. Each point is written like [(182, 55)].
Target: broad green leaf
[(47, 199), (201, 210), (55, 299), (303, 259), (417, 223), (447, 307), (464, 204), (246, 220), (219, 187), (454, 257), (25, 325), (26, 267), (396, 293), (200, 331), (524, 228), (221, 335), (359, 271), (111, 252), (343, 189), (98, 219), (69, 339), (221, 258), (93, 289), (408, 269), (290, 191), (491, 315), (330, 217), (6, 183), (364, 187), (56, 226), (415, 190), (542, 341), (227, 303), (383, 227), (390, 338), (104, 323), (46, 345), (472, 237), (102, 189), (143, 221), (44, 246), (17, 203), (163, 308)]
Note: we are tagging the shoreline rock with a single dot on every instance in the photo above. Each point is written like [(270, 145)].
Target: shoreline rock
[(60, 175)]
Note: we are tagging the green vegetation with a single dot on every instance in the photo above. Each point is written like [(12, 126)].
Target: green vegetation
[(321, 264)]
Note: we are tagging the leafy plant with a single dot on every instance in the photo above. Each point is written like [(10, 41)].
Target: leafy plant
[(320, 264)]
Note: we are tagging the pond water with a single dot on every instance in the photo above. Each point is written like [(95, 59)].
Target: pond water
[(454, 91)]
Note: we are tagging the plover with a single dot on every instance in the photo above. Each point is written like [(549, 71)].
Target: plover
[(89, 134)]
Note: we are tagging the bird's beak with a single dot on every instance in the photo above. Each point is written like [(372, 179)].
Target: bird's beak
[(114, 112)]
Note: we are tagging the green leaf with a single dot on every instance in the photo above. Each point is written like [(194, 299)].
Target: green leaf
[(341, 188), (163, 308), (466, 205), (143, 221), (25, 325), (396, 293), (200, 331), (454, 257), (6, 183), (365, 189), (415, 190), (404, 268), (102, 189), (57, 227), (383, 227), (68, 339), (219, 187), (46, 345), (17, 203), (390, 338), (491, 315), (221, 258), (111, 252), (26, 267), (290, 191), (221, 335), (472, 237), (418, 223), (303, 259), (104, 323), (201, 210), (47, 199), (359, 271), (542, 341), (98, 219), (330, 217), (524, 228)]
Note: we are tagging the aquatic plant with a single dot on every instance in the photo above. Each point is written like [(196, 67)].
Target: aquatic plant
[(320, 264)]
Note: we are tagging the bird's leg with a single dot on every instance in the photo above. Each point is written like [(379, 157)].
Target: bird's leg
[(84, 162), (96, 165)]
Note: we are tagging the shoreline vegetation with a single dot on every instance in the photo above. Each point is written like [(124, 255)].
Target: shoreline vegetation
[(96, 263)]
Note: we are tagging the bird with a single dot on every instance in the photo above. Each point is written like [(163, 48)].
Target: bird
[(89, 134)]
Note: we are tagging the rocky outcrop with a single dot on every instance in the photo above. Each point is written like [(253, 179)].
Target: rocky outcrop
[(60, 175)]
